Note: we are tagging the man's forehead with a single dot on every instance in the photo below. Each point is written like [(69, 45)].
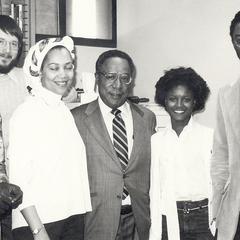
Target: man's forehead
[(115, 63), (7, 36)]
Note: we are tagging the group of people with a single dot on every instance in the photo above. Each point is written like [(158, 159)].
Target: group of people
[(101, 171)]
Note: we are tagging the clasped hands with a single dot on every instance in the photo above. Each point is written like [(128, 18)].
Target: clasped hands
[(10, 198)]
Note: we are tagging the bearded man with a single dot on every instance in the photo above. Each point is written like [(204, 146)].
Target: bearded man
[(12, 92)]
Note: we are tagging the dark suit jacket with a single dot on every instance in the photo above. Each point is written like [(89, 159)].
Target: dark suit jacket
[(105, 172)]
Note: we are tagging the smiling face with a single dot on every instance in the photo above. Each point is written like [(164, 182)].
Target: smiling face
[(113, 94), (9, 47), (179, 103), (57, 71), (236, 39)]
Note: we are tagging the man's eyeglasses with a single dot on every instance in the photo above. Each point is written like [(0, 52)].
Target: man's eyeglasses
[(13, 44), (112, 77)]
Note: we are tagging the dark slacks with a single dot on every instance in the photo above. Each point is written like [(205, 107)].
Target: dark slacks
[(127, 228), (71, 228), (237, 234), (193, 225), (6, 228)]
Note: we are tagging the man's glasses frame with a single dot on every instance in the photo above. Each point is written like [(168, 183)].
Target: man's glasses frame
[(13, 44), (111, 77)]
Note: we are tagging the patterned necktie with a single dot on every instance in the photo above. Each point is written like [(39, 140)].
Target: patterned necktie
[(120, 142)]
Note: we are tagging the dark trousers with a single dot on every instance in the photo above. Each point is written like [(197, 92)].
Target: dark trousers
[(6, 228), (127, 228), (237, 234), (71, 228), (193, 225)]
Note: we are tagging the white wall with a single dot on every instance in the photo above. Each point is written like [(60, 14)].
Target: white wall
[(160, 34)]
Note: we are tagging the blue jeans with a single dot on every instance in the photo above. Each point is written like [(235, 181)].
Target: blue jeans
[(193, 225)]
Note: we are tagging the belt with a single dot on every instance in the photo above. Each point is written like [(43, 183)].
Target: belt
[(126, 209), (189, 206)]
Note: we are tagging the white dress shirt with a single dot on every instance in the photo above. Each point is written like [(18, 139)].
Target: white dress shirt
[(12, 93), (128, 120), (180, 170), (48, 159), (190, 179)]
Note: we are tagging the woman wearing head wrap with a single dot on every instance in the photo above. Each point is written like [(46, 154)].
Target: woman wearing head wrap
[(47, 155)]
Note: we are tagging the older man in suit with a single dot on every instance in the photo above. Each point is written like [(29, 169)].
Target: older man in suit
[(117, 135), (225, 166)]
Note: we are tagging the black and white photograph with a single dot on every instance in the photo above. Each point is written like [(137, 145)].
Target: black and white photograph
[(119, 120)]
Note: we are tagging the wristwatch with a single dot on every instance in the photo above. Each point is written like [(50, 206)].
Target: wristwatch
[(36, 231)]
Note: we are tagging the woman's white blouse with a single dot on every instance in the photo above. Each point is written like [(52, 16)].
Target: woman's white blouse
[(48, 159), (180, 170)]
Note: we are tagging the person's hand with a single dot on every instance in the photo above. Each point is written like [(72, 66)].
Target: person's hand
[(16, 195), (213, 226), (10, 197)]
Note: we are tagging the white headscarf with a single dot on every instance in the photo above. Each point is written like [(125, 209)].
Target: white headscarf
[(34, 59)]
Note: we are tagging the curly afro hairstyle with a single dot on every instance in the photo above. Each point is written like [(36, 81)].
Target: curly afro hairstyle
[(234, 22), (186, 77)]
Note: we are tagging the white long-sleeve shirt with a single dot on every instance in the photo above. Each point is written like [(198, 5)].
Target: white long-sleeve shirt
[(48, 159), (12, 93), (180, 170)]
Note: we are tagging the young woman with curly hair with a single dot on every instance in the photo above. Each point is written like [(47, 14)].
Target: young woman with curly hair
[(180, 175)]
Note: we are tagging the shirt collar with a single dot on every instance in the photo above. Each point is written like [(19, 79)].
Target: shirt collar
[(49, 97), (106, 110), (189, 126), (11, 74), (186, 128)]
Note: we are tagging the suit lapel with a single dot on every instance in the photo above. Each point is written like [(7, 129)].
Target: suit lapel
[(95, 123), (232, 99), (138, 128)]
